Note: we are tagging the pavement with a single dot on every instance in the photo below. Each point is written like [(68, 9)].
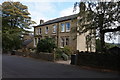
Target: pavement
[(64, 62), (24, 67)]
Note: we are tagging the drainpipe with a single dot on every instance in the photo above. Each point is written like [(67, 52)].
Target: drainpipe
[(57, 34)]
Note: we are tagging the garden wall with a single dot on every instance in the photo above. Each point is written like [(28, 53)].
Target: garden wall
[(19, 53), (101, 60), (44, 56)]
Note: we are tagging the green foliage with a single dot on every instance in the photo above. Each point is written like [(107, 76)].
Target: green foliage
[(46, 45), (67, 50), (58, 53), (15, 14), (100, 16), (15, 19), (98, 45), (63, 53), (64, 56), (107, 45), (11, 41)]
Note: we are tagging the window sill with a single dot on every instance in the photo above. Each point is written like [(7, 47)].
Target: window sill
[(53, 32), (64, 32), (61, 47), (46, 33), (67, 30)]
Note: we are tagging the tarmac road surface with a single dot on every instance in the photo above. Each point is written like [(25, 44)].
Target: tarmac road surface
[(24, 67)]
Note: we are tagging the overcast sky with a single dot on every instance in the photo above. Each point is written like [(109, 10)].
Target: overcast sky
[(50, 9)]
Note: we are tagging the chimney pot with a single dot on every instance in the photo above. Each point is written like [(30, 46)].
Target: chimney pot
[(41, 21)]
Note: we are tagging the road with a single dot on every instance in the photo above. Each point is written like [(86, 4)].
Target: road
[(0, 64), (24, 67)]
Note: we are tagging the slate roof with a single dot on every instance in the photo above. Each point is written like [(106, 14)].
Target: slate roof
[(26, 42), (58, 20)]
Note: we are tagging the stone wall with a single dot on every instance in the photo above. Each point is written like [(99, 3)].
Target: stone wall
[(43, 56)]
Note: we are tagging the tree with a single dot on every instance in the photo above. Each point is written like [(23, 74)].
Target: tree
[(15, 19), (0, 28), (100, 16)]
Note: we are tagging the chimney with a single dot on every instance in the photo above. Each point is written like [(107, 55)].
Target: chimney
[(41, 21)]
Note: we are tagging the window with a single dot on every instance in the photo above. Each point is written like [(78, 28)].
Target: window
[(46, 30), (40, 30), (62, 28), (54, 28), (36, 31), (62, 42), (67, 41), (46, 37), (38, 39), (35, 41), (67, 27)]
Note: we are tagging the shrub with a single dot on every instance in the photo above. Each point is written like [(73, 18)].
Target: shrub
[(64, 53), (67, 50), (58, 53), (46, 45), (64, 56), (101, 60)]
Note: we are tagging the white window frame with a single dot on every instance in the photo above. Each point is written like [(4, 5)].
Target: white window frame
[(46, 31), (62, 41), (67, 30), (62, 27), (36, 31), (40, 31), (66, 41), (35, 41), (54, 28)]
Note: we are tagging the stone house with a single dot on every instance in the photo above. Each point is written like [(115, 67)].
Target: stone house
[(64, 31), (27, 42)]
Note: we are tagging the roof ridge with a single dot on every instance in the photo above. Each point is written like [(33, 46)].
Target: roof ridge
[(58, 20), (63, 17)]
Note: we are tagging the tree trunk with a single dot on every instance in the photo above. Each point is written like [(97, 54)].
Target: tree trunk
[(102, 42)]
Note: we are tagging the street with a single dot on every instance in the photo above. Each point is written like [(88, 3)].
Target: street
[(24, 67)]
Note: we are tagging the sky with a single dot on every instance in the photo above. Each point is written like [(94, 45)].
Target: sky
[(46, 10), (51, 9)]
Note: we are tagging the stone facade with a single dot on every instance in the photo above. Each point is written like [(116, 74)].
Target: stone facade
[(64, 31)]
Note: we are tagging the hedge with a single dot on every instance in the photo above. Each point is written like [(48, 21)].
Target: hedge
[(101, 60)]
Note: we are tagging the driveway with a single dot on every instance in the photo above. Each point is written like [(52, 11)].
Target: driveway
[(24, 67)]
